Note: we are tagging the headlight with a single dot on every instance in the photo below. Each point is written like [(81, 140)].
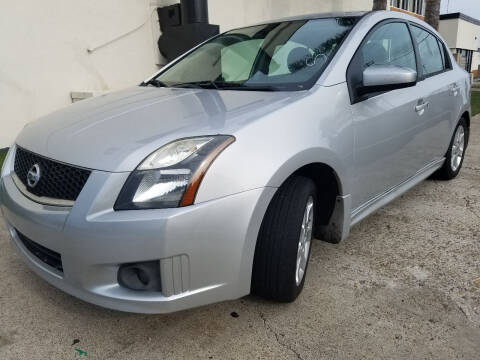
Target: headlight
[(170, 176)]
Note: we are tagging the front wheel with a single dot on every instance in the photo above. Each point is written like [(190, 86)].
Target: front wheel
[(284, 242), (456, 153)]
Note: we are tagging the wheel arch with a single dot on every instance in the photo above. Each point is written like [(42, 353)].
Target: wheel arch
[(312, 159), (329, 176), (306, 164), (466, 116)]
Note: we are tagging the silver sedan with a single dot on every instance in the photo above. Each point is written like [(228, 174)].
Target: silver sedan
[(209, 180)]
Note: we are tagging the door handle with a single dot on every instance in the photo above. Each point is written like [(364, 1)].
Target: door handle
[(454, 90), (421, 107)]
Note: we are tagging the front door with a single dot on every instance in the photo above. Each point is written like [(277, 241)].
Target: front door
[(388, 127)]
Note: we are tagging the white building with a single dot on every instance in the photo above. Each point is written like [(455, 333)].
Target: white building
[(462, 34), (53, 49)]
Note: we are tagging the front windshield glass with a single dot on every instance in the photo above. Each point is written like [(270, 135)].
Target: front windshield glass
[(288, 55)]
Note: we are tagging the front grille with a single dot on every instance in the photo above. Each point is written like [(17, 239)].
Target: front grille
[(57, 180), (48, 256)]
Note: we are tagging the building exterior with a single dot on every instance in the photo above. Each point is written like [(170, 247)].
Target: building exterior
[(56, 50), (462, 34), (412, 7)]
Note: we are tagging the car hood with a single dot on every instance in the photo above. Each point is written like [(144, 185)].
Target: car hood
[(115, 132)]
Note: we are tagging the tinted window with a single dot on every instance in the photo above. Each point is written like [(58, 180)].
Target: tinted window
[(286, 55), (390, 44), (237, 60), (446, 59), (429, 51)]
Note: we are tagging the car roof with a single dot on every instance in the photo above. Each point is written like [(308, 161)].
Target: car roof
[(317, 16), (385, 14)]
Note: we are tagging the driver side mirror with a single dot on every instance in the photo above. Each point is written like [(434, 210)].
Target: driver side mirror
[(378, 78)]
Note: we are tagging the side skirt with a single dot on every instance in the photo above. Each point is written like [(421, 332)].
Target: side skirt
[(381, 200)]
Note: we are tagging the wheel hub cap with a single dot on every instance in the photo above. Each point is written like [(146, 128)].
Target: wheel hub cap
[(458, 147), (304, 241)]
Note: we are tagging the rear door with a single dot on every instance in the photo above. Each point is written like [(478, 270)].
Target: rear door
[(387, 127), (441, 95)]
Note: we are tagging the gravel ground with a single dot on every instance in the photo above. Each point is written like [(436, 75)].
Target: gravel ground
[(405, 284)]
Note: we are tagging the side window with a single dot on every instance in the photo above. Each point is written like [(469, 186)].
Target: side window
[(446, 59), (429, 51), (390, 44), (442, 54), (387, 44)]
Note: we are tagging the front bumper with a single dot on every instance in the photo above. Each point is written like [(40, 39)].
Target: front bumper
[(205, 250)]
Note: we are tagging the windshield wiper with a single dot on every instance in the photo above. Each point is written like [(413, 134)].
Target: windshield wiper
[(154, 82), (198, 85), (240, 86), (218, 85)]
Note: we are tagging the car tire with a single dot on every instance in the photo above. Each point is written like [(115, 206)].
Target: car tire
[(455, 154), (284, 242)]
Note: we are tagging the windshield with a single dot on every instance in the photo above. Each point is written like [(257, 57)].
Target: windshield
[(288, 55)]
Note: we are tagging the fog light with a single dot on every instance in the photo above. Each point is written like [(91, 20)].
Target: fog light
[(143, 276)]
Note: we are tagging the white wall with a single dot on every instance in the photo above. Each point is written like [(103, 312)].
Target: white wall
[(449, 30), (468, 35), (44, 53), (234, 13), (45, 57), (460, 34)]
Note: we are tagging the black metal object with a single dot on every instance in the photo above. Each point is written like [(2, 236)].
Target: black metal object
[(184, 26), (57, 180), (194, 11), (49, 257), (169, 16)]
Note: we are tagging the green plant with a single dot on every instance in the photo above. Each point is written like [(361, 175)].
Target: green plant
[(3, 153), (475, 102)]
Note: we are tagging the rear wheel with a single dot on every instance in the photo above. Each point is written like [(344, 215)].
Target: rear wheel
[(455, 154), (284, 242)]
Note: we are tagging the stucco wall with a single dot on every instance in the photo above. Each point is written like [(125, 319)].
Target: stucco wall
[(460, 34), (468, 35), (44, 53), (231, 13), (45, 46), (449, 31)]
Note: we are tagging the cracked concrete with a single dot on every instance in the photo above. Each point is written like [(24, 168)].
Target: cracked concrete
[(278, 336), (405, 284)]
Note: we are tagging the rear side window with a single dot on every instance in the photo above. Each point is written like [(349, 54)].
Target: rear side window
[(446, 59), (431, 56)]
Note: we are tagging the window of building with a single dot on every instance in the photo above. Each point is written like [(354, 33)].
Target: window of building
[(415, 6), (418, 8), (395, 3)]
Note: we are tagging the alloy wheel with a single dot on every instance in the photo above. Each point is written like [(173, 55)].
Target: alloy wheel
[(304, 242)]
